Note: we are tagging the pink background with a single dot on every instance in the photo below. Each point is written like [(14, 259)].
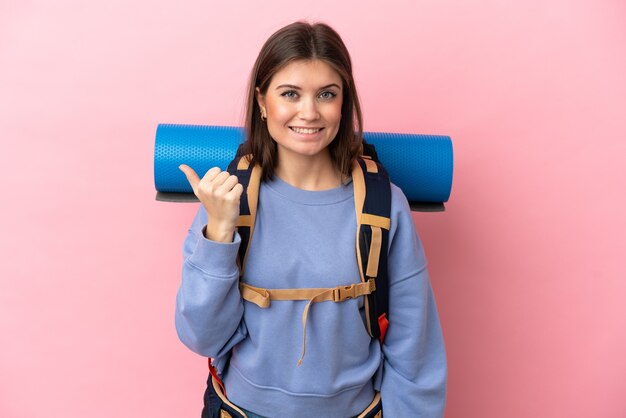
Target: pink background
[(527, 263)]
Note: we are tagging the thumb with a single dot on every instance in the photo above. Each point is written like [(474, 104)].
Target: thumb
[(191, 175)]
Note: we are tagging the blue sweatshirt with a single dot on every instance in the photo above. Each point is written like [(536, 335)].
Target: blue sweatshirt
[(305, 239)]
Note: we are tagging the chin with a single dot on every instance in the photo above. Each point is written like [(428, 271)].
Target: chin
[(307, 151)]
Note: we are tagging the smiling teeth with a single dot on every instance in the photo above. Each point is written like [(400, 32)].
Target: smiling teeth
[(306, 131)]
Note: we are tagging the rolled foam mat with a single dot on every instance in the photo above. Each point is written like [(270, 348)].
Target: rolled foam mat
[(421, 165)]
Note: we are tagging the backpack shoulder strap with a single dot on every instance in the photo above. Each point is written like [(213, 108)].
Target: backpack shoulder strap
[(249, 176), (372, 200)]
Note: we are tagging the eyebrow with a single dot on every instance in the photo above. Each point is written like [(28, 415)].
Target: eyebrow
[(298, 88)]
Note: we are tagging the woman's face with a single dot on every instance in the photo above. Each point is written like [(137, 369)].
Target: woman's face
[(303, 108)]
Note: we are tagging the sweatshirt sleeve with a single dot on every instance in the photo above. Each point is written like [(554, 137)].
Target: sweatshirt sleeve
[(414, 369), (209, 309)]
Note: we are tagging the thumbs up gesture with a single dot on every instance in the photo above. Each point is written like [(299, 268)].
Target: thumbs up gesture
[(219, 192)]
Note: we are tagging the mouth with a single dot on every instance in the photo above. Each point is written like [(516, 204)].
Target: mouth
[(305, 131)]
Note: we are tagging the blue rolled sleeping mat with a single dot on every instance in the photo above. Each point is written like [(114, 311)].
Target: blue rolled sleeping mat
[(421, 165)]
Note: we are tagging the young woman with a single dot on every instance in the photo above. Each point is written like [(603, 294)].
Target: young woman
[(303, 128)]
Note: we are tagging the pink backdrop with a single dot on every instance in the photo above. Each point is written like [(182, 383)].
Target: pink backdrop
[(527, 263)]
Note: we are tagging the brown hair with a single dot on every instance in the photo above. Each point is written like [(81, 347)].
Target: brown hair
[(303, 41)]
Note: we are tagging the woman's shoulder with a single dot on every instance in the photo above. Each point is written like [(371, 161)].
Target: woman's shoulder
[(399, 202)]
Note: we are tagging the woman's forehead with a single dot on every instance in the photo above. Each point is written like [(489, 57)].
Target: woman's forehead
[(306, 74)]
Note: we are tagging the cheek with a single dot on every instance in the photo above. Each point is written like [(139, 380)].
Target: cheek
[(279, 112), (334, 113)]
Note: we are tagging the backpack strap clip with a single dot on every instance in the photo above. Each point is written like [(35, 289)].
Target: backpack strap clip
[(341, 293)]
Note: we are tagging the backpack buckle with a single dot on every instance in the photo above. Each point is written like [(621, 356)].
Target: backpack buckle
[(342, 293)]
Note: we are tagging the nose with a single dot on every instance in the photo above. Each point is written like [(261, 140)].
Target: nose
[(308, 110)]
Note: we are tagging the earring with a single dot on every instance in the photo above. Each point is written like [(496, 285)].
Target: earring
[(263, 116)]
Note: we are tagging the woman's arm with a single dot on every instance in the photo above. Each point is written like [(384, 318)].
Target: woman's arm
[(415, 369), (209, 308)]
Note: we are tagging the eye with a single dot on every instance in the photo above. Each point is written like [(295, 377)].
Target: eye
[(290, 94), (327, 95)]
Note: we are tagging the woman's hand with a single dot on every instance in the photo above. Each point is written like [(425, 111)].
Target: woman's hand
[(219, 192)]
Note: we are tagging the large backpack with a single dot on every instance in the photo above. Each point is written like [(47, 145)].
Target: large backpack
[(372, 199)]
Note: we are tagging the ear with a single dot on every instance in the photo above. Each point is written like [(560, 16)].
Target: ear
[(260, 99)]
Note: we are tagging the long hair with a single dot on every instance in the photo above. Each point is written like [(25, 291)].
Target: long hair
[(303, 41)]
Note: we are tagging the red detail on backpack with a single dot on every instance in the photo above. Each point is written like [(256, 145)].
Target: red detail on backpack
[(213, 371), (383, 324)]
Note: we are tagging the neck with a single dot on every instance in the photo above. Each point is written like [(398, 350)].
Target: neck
[(308, 172)]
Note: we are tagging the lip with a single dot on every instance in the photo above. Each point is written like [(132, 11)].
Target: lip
[(307, 127)]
